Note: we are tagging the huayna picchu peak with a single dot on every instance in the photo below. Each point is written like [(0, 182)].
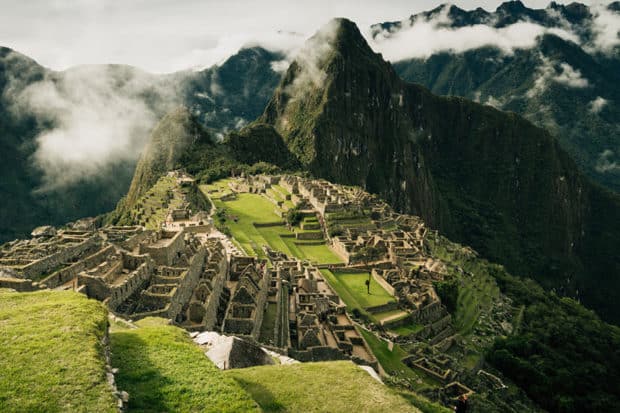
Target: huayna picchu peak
[(415, 216)]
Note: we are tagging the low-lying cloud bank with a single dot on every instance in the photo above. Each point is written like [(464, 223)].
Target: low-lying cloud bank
[(426, 37), (429, 36), (92, 117)]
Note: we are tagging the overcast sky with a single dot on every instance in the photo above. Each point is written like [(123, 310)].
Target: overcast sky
[(168, 35)]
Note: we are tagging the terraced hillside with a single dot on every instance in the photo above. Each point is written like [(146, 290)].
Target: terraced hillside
[(257, 220)]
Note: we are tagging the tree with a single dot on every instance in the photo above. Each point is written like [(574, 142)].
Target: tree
[(368, 254)]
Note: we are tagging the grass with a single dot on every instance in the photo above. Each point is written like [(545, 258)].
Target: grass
[(153, 199), (163, 371), (249, 209), (318, 387), (355, 283), (254, 208), (407, 329), (422, 403), (217, 188), (321, 254), (51, 356), (390, 360)]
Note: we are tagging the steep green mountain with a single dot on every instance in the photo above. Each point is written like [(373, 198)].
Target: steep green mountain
[(223, 98), (487, 178), (172, 136), (180, 141), (24, 205), (569, 88)]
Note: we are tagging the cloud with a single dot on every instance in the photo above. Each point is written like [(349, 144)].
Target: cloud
[(280, 66), (570, 77), (496, 103), (606, 29), (203, 57), (561, 73), (607, 163), (310, 59), (597, 105), (98, 116), (427, 37)]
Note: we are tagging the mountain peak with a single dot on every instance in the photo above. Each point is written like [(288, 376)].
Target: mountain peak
[(511, 6), (339, 34)]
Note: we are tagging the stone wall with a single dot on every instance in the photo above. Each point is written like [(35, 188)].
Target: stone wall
[(132, 242), (164, 253), (322, 353), (383, 283), (205, 228), (66, 274), (261, 303), (217, 286), (185, 290), (133, 282), (19, 284), (69, 252)]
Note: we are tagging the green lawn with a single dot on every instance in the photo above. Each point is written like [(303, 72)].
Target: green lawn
[(356, 284), (407, 329), (254, 208), (339, 386), (216, 189), (51, 356), (321, 254), (163, 371), (248, 209), (387, 314)]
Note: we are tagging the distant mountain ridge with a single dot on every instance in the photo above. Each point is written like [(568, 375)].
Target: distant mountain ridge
[(568, 88), (223, 98)]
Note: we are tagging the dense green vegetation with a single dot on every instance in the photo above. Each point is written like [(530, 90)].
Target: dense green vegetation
[(163, 371), (52, 357), (448, 292), (509, 83), (562, 355), (318, 387)]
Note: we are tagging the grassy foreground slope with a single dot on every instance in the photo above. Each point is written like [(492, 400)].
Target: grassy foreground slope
[(318, 387), (52, 357), (163, 371)]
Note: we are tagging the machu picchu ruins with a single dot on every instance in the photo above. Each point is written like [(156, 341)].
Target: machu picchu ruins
[(186, 256)]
